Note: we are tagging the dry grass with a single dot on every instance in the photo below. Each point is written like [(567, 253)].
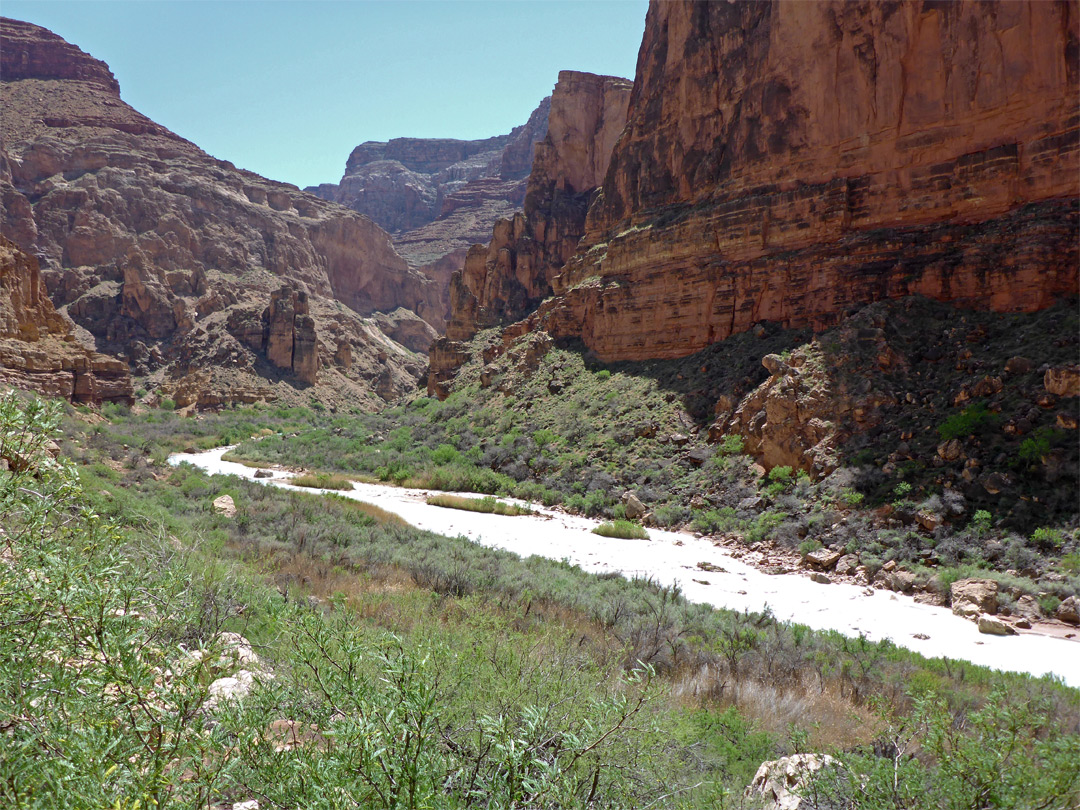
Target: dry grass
[(372, 511), (253, 465), (833, 722), (489, 506)]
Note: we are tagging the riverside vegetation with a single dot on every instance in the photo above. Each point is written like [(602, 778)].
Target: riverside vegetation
[(576, 433), (412, 670)]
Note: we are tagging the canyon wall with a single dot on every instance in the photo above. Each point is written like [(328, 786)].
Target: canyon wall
[(167, 257), (505, 280), (791, 161)]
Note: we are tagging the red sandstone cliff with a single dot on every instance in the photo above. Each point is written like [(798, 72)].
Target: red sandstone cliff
[(167, 256), (507, 279), (788, 161)]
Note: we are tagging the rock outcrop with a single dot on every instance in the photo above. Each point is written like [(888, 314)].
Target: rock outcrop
[(790, 161), (166, 256), (506, 279), (38, 350)]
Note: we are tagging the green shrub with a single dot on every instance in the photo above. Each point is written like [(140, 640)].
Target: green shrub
[(980, 522), (732, 444), (603, 375), (973, 419), (544, 437), (623, 529), (445, 454), (851, 497), (1047, 539), (715, 520), (1070, 563), (764, 526), (1038, 444)]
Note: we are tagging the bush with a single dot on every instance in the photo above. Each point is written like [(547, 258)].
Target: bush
[(445, 454), (732, 444), (1047, 539), (980, 522), (973, 419), (623, 529)]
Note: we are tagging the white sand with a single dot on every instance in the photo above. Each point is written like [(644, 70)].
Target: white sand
[(670, 557)]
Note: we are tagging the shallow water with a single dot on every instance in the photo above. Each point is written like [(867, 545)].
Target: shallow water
[(670, 557)]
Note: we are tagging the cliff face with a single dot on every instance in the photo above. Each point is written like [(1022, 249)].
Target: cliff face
[(505, 280), (38, 351), (788, 161), (154, 248)]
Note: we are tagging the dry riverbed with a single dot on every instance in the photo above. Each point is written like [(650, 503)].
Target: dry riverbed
[(710, 574)]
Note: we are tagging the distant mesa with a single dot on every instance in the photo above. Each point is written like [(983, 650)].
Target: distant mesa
[(437, 196)]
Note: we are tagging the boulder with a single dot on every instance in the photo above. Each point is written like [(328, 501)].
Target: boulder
[(1062, 381), (635, 509), (820, 578), (927, 520), (1018, 365), (224, 505), (231, 687), (237, 650), (285, 735), (847, 564), (1068, 611), (991, 625), (823, 558), (950, 450), (971, 597), (901, 581), (263, 474), (1027, 607), (777, 783)]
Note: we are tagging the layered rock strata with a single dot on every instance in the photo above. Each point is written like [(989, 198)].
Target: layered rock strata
[(154, 248), (792, 161), (513, 273), (38, 351)]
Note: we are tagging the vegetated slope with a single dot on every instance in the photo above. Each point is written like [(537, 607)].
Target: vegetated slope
[(393, 660), (943, 440), (171, 258)]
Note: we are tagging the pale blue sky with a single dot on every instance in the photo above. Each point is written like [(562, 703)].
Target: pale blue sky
[(287, 89)]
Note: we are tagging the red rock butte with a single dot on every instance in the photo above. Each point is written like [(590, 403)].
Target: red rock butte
[(791, 161)]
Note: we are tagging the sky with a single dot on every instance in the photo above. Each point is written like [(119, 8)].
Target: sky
[(287, 89)]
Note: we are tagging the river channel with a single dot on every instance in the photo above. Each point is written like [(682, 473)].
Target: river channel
[(672, 557)]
